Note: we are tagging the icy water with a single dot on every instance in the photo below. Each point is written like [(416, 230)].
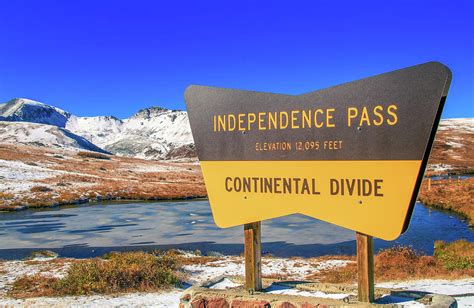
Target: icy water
[(91, 230)]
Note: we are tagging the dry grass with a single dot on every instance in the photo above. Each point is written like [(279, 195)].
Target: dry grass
[(6, 196), (277, 276), (199, 260), (34, 286), (88, 180), (333, 257), (403, 263), (115, 273), (453, 195)]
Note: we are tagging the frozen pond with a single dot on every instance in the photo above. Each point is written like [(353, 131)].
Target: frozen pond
[(90, 230)]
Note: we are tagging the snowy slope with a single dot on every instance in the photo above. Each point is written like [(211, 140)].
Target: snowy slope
[(453, 149), (151, 133), (26, 110), (158, 123), (98, 130), (43, 135), (460, 125)]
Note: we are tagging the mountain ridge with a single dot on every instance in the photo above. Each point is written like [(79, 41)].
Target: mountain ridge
[(151, 133), (27, 110)]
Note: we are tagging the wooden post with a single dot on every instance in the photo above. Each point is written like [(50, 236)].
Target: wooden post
[(365, 267), (429, 184), (253, 256)]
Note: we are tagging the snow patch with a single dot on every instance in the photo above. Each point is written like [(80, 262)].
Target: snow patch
[(234, 266), (225, 283), (462, 290), (439, 167), (159, 300), (16, 176), (279, 289), (465, 125)]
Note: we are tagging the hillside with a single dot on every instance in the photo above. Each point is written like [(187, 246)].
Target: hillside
[(43, 135), (32, 176), (453, 149)]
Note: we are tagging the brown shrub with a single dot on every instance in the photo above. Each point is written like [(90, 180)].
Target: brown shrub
[(397, 263), (121, 272), (200, 260), (36, 189), (455, 255), (95, 155), (33, 286), (403, 262), (115, 273), (30, 163)]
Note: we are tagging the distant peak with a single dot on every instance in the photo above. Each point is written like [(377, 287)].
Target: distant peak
[(19, 101), (27, 101), (28, 110), (154, 108), (150, 112)]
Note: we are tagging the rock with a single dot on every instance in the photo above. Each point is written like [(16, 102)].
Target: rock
[(250, 304), (217, 303)]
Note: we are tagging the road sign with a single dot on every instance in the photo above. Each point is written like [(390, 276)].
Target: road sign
[(352, 155)]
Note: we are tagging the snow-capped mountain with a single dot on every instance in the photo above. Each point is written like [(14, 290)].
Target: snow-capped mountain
[(43, 135), (99, 130), (151, 133), (26, 110)]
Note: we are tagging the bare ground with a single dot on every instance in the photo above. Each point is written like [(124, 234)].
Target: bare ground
[(452, 152)]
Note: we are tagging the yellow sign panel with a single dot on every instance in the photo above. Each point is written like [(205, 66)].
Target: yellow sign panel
[(362, 195), (352, 155)]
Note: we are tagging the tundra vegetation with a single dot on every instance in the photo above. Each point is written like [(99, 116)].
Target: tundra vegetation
[(61, 177), (450, 260), (450, 194), (113, 273), (146, 272)]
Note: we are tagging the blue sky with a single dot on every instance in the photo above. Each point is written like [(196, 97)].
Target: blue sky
[(115, 57)]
